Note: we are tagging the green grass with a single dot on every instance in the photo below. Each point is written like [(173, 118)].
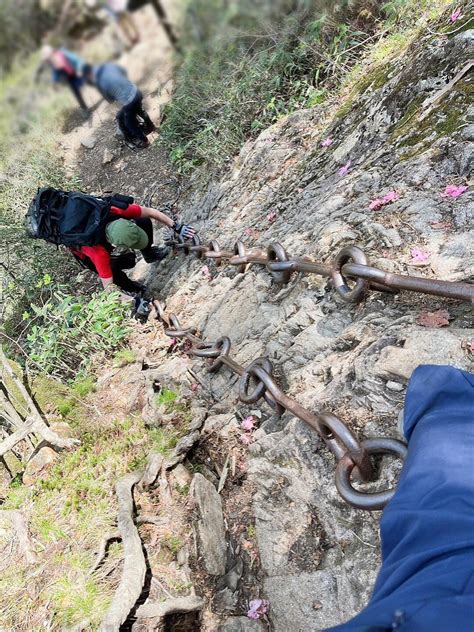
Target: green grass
[(70, 509), (124, 357), (249, 73)]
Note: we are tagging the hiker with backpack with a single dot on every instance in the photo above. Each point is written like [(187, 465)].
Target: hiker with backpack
[(92, 227), (114, 85), (66, 67)]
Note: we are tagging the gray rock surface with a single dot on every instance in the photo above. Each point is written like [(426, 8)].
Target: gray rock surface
[(210, 525), (240, 624), (319, 557), (89, 142)]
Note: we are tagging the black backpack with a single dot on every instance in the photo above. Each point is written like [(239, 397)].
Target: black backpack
[(71, 219)]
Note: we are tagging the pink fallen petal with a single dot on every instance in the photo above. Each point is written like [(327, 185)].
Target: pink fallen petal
[(258, 608), (271, 216), (391, 196), (248, 232), (419, 255), (454, 191), (376, 204), (327, 143), (455, 15), (246, 439), (248, 423), (194, 387), (173, 342), (343, 171), (206, 272)]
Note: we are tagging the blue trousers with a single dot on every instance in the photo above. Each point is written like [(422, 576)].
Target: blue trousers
[(426, 581)]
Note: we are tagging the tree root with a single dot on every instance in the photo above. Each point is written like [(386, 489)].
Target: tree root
[(34, 422), (170, 606), (19, 525), (102, 552), (134, 568)]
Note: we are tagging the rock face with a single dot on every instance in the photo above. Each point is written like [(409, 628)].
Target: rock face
[(240, 624), (37, 465), (210, 525), (319, 557)]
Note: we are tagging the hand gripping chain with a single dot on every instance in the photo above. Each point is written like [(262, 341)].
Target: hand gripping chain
[(353, 456), (350, 262)]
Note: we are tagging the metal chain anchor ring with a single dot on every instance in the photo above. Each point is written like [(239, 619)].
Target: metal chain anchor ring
[(213, 247), (197, 248), (222, 345), (276, 252), (341, 441), (240, 251), (160, 310), (340, 282), (260, 389), (370, 501), (178, 331), (181, 245), (206, 350)]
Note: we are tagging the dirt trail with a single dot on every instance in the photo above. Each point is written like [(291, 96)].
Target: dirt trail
[(90, 149)]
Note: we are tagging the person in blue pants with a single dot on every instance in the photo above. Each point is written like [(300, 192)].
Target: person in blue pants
[(426, 581)]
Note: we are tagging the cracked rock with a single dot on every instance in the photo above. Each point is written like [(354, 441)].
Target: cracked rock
[(210, 525)]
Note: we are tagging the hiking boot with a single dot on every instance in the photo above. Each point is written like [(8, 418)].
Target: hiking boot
[(148, 127), (118, 133), (155, 254), (141, 144)]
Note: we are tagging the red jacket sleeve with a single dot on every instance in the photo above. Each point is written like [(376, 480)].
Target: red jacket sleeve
[(100, 257), (132, 212)]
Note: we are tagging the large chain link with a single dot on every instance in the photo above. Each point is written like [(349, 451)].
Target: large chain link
[(351, 262), (256, 382)]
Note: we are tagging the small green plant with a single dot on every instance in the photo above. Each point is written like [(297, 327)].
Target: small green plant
[(124, 357), (166, 398), (65, 406), (163, 440), (83, 386), (251, 532), (172, 543), (183, 490)]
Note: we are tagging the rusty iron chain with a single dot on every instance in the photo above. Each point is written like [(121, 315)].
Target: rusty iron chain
[(353, 456), (351, 262)]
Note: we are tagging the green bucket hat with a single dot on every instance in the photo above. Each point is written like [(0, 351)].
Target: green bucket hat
[(123, 232)]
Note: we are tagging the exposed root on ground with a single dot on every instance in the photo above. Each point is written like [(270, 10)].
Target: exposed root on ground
[(33, 422), (19, 525), (134, 569)]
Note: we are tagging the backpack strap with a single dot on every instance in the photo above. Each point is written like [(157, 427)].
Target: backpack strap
[(121, 201)]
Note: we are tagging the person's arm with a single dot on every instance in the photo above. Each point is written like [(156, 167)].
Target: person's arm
[(135, 210), (160, 217), (100, 257)]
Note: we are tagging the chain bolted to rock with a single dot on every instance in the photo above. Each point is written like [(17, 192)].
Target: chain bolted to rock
[(351, 262), (256, 382)]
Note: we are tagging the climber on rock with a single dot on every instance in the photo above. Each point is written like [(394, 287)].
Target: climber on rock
[(66, 67), (92, 227), (114, 85)]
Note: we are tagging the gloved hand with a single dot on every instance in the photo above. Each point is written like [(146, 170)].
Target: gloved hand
[(184, 230), (142, 309)]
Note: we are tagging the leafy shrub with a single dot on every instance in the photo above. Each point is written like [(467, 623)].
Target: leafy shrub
[(61, 336)]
